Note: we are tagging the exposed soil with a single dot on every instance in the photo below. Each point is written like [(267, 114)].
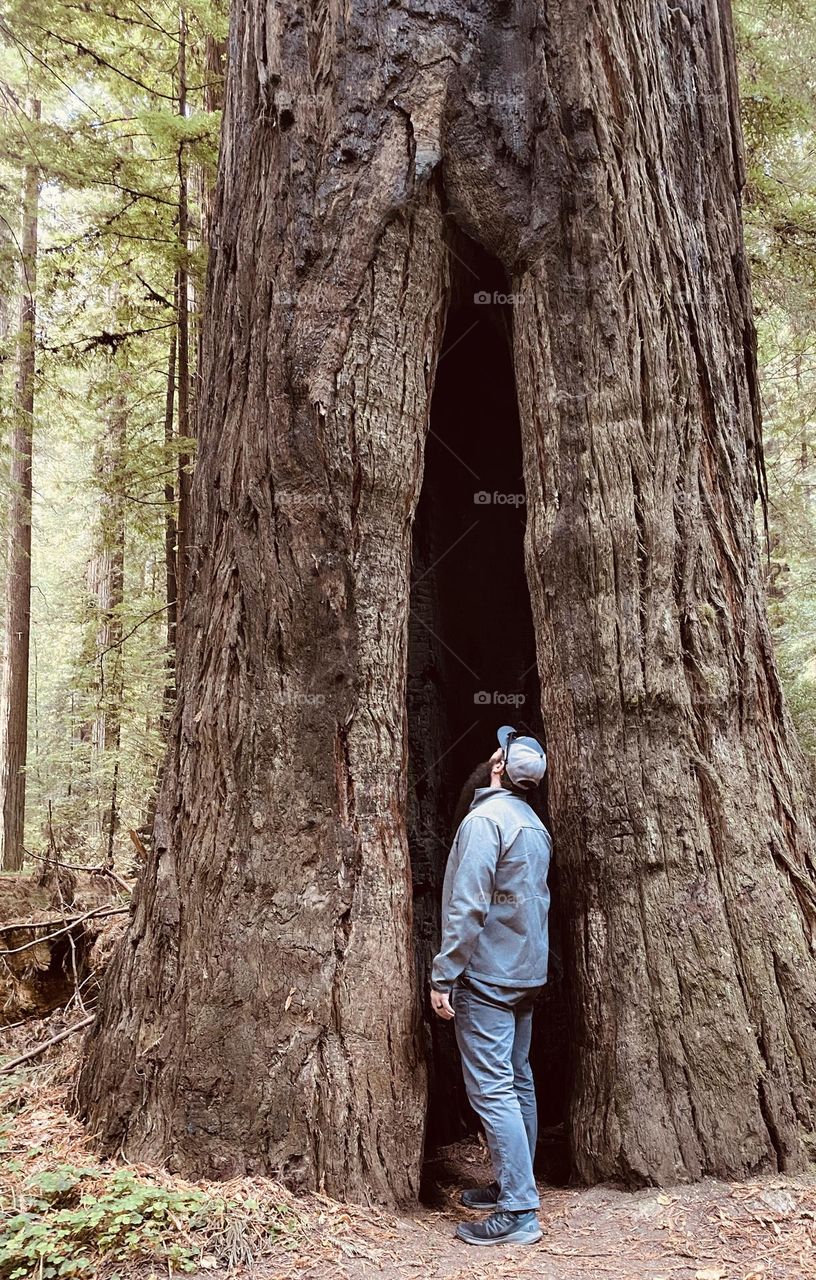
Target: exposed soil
[(712, 1230)]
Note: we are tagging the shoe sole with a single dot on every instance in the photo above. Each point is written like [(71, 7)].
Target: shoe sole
[(478, 1204), (518, 1237)]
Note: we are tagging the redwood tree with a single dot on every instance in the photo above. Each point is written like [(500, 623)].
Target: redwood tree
[(262, 1013), (14, 699)]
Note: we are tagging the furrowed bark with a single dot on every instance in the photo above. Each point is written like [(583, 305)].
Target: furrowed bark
[(322, 952), (263, 1013), (170, 533), (677, 786)]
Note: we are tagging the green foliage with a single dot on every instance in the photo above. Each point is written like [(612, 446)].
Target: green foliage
[(110, 148), (777, 52), (66, 1227), (61, 1213)]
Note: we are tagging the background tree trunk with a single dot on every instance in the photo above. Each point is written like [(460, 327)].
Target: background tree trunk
[(215, 63), (14, 700), (263, 1012), (184, 515), (170, 531), (106, 581)]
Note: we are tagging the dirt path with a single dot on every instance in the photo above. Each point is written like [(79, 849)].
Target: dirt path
[(763, 1230)]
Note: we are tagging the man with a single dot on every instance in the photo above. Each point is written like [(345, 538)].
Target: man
[(492, 963)]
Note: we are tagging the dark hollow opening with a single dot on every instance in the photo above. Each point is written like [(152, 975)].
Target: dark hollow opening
[(472, 666)]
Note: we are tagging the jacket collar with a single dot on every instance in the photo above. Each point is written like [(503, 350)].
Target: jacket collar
[(485, 793)]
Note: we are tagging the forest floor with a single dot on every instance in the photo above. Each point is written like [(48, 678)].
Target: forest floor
[(764, 1229)]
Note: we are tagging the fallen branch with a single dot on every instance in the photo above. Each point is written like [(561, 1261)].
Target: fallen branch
[(77, 993), (46, 924), (41, 1048), (78, 866), (134, 835)]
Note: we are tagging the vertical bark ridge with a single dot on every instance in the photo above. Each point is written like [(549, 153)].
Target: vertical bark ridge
[(314, 909)]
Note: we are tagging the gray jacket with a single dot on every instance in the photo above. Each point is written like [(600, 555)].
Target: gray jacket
[(495, 899)]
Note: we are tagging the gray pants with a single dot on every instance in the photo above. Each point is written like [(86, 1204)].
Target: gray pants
[(493, 1028)]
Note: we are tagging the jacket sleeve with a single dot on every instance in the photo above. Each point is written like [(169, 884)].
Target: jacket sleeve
[(466, 905)]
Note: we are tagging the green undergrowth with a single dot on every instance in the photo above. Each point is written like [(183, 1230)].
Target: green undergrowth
[(72, 1218), (59, 1218)]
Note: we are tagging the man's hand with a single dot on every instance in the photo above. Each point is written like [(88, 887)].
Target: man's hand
[(441, 1004)]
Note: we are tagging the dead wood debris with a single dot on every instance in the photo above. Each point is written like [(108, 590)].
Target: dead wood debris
[(57, 1038), (52, 959)]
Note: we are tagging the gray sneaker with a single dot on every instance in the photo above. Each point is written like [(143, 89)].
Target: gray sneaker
[(480, 1197), (502, 1227)]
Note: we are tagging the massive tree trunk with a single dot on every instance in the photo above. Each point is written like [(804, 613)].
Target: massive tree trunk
[(14, 700), (262, 1013)]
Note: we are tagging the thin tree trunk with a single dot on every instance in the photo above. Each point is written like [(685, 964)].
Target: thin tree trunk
[(215, 59), (263, 1012), (14, 701), (171, 563), (214, 69), (170, 529), (106, 573), (182, 301)]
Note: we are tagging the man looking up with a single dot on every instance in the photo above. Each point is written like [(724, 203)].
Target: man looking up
[(491, 964)]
